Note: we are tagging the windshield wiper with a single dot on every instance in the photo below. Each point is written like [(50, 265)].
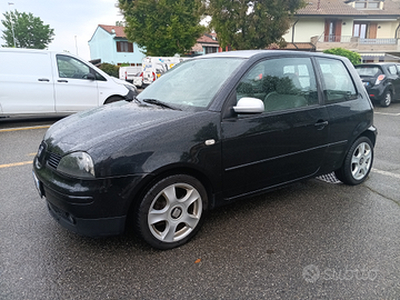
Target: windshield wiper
[(159, 103)]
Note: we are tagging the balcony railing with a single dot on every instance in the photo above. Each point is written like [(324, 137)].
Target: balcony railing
[(352, 39), (378, 41)]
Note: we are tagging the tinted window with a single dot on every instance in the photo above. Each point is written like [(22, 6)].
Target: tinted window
[(392, 69), (338, 85), (283, 83)]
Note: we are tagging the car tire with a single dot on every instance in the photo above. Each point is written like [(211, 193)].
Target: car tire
[(357, 163), (172, 211), (387, 99)]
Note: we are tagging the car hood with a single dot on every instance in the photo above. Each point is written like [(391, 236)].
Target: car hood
[(107, 124)]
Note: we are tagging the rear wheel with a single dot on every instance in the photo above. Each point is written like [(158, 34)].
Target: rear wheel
[(357, 163), (387, 99), (172, 211)]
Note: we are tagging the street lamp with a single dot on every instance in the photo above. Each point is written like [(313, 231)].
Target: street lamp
[(12, 26)]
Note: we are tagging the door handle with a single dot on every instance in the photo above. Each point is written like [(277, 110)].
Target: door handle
[(44, 79), (321, 124), (63, 80)]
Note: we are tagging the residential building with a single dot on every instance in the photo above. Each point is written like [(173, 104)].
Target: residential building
[(207, 43), (110, 45), (369, 27)]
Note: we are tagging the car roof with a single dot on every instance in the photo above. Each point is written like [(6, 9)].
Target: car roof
[(264, 53), (377, 64)]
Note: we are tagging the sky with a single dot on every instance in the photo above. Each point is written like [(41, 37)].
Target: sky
[(74, 21)]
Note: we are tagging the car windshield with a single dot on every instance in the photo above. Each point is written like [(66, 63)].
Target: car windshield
[(191, 84), (369, 71)]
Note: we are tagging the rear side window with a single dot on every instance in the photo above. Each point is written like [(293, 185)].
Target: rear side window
[(392, 69), (337, 82)]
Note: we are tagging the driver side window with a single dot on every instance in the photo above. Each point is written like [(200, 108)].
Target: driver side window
[(69, 67), (282, 84)]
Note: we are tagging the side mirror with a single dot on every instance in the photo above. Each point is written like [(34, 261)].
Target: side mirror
[(90, 76), (249, 105)]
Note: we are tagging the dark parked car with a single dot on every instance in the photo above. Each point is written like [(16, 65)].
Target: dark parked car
[(211, 130), (381, 80)]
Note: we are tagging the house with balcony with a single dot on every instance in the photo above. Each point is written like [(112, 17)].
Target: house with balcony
[(369, 27)]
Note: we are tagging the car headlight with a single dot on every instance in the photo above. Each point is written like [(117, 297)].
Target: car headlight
[(77, 164)]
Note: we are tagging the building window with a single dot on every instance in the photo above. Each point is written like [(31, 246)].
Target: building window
[(367, 4), (360, 30), (124, 47), (211, 49), (333, 30), (365, 30)]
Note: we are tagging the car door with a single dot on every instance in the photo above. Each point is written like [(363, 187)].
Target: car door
[(285, 142), (26, 82), (74, 90)]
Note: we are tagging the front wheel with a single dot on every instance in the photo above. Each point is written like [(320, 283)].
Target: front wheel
[(172, 211), (357, 163), (387, 99)]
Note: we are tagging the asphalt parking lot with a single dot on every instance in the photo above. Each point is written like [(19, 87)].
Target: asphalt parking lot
[(311, 240)]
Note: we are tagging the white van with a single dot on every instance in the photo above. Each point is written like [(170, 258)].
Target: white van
[(128, 73), (46, 82), (153, 67)]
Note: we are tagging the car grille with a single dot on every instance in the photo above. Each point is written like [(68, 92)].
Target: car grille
[(53, 160)]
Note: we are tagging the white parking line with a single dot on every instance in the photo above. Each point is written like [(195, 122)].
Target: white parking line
[(387, 114), (386, 173)]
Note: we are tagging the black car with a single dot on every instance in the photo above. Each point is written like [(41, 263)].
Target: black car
[(381, 80), (211, 130)]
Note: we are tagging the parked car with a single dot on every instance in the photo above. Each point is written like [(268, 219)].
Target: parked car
[(128, 73), (38, 82), (153, 67), (211, 130), (382, 81)]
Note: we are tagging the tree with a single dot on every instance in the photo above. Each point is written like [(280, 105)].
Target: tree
[(163, 27), (251, 24), (354, 57), (26, 31)]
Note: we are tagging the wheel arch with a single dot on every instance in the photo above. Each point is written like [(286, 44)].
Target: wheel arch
[(164, 172), (371, 134), (113, 98)]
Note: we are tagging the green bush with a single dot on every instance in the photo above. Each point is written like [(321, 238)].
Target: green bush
[(354, 57), (110, 69)]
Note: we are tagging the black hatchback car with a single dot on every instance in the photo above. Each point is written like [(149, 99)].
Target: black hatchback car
[(382, 81), (211, 130)]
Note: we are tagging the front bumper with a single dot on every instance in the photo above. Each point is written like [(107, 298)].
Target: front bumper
[(92, 208), (88, 227)]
